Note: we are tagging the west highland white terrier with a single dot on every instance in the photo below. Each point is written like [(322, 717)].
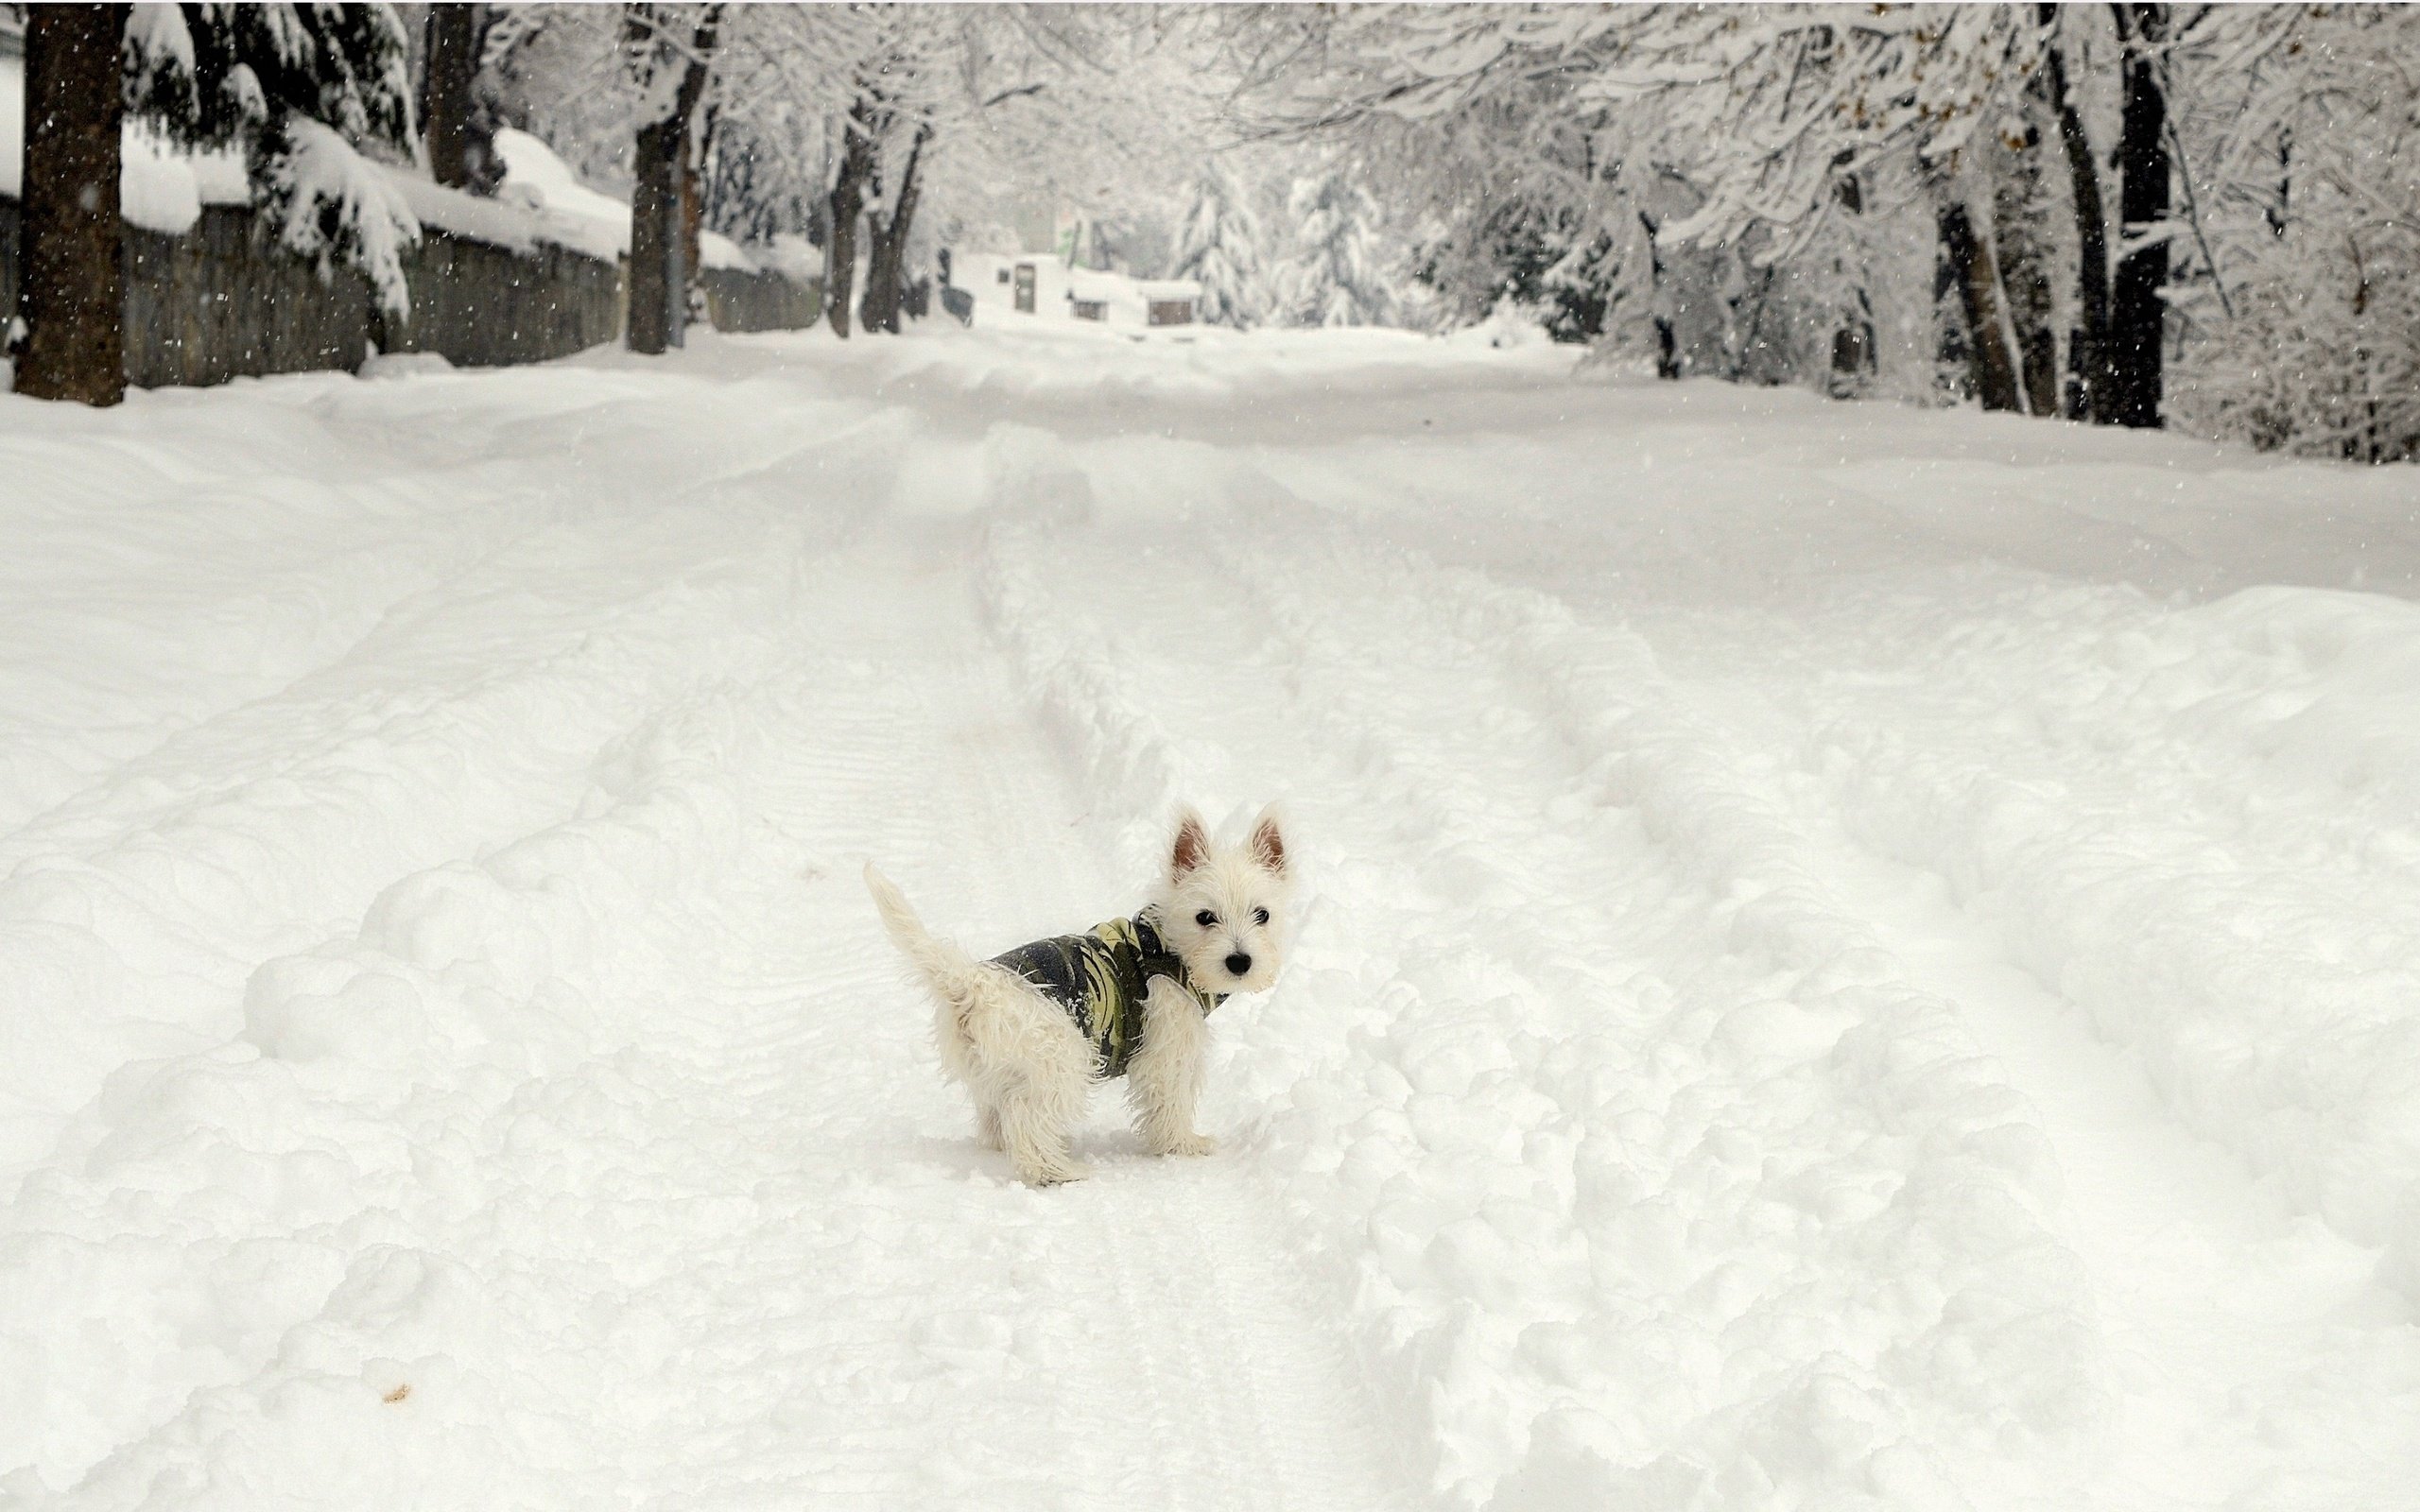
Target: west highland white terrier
[(1029, 1031)]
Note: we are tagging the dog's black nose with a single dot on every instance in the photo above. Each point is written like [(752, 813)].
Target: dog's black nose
[(1240, 963)]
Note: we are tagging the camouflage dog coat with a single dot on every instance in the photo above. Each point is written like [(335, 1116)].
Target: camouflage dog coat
[(1102, 978)]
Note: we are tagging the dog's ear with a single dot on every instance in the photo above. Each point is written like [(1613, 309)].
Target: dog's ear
[(1192, 847), (1268, 843)]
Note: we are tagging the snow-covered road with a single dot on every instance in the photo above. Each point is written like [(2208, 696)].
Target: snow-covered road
[(1852, 957)]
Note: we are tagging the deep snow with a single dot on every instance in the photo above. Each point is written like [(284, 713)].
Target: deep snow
[(1852, 956)]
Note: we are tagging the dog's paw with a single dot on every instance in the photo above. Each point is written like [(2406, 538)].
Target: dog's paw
[(1054, 1175), (1189, 1144)]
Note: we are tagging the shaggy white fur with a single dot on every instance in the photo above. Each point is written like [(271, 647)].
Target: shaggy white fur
[(1020, 1056)]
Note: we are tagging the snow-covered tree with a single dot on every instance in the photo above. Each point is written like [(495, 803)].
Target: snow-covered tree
[(1509, 191), (1338, 273), (1741, 154), (302, 89), (705, 113), (879, 130), (765, 171), (1219, 246), (2300, 289), (964, 110), (671, 53), (305, 90)]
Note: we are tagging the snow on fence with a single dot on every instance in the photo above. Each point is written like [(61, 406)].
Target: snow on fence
[(219, 301)]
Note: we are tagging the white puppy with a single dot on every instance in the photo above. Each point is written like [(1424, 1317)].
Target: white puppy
[(1032, 1029)]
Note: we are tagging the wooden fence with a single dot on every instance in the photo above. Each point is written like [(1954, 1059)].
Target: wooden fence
[(738, 300), (223, 302)]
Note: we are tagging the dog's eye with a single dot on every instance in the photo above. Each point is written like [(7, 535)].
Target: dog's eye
[(1206, 919), (1260, 915)]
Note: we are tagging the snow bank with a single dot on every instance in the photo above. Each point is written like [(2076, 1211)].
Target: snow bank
[(463, 998), (2233, 890), (516, 227), (326, 822)]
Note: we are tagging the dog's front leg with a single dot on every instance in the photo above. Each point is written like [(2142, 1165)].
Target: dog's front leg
[(1163, 1080)]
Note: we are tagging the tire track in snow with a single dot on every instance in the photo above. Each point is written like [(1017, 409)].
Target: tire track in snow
[(2235, 1318), (1253, 637), (1255, 1399), (732, 1241), (1149, 1344), (2232, 1326)]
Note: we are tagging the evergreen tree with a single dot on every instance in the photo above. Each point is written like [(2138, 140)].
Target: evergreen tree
[(301, 89), (1218, 248), (298, 88), (1337, 276), (1548, 259)]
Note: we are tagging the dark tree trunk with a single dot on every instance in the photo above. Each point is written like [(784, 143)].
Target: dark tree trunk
[(71, 281), (886, 249), (1667, 347), (2136, 313), (1751, 342), (1853, 339), (1978, 281), (2276, 215), (657, 295), (1852, 351), (696, 152), (660, 267), (848, 202), (461, 136), (2016, 211), (2088, 350)]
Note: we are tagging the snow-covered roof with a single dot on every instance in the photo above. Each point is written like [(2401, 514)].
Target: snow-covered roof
[(1092, 284)]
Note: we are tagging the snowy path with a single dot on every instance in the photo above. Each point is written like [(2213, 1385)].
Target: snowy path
[(1853, 958)]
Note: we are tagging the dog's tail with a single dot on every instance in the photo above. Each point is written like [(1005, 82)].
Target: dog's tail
[(929, 954), (943, 964), (947, 970)]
